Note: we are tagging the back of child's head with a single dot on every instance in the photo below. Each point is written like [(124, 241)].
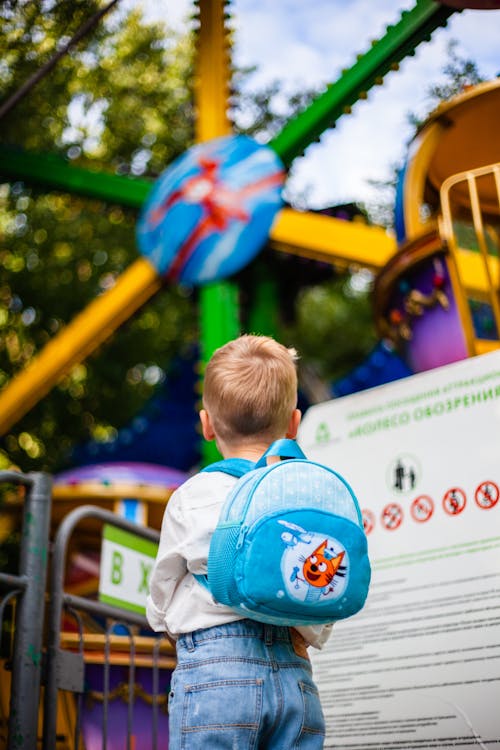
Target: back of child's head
[(250, 388)]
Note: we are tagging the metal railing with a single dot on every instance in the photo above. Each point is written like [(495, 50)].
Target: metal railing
[(66, 668), (28, 588), (66, 659), (470, 205)]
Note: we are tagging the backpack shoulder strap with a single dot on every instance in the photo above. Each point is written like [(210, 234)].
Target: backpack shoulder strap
[(284, 448), (235, 467)]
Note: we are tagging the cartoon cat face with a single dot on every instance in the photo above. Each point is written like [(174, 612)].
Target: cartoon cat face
[(320, 567)]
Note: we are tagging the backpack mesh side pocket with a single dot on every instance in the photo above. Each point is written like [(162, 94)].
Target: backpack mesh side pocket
[(221, 564)]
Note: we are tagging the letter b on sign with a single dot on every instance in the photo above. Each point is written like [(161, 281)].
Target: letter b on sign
[(116, 568)]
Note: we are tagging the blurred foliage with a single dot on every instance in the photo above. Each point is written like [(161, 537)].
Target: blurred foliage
[(333, 328), (459, 73), (121, 102)]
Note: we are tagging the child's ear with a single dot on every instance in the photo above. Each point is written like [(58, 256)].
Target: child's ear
[(293, 425), (206, 425)]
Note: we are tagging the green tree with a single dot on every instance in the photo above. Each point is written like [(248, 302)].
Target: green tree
[(458, 74), (333, 327), (120, 101)]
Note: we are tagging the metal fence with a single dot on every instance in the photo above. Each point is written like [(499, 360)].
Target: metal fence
[(28, 589), (85, 675)]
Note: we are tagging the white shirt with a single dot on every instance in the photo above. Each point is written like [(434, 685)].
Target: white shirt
[(177, 602)]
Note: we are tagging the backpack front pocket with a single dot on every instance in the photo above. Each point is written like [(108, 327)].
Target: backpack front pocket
[(305, 564)]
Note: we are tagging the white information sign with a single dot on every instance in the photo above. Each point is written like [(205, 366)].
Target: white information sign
[(419, 666), (126, 564)]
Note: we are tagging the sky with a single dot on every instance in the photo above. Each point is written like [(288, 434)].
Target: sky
[(304, 44)]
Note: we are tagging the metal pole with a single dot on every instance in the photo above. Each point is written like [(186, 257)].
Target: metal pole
[(27, 661)]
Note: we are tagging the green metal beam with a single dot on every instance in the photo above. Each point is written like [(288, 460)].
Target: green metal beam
[(54, 172), (219, 323), (415, 26)]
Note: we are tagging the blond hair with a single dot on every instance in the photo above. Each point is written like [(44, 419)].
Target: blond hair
[(250, 388)]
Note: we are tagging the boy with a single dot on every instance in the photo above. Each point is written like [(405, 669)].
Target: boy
[(238, 683)]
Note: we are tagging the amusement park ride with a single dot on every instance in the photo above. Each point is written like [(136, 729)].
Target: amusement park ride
[(437, 286), (443, 181)]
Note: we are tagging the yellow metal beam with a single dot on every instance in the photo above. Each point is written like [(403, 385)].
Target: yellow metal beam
[(212, 77), (97, 492), (217, 300), (346, 243), (483, 346), (322, 237), (77, 340)]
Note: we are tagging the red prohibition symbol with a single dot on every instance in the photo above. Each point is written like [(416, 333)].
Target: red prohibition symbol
[(486, 495), (368, 520), (392, 516), (454, 501), (422, 508)]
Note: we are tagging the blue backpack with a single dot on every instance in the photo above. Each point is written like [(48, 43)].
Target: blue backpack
[(289, 547)]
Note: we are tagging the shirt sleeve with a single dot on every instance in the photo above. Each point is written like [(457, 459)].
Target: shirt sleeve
[(170, 565), (187, 527), (316, 635)]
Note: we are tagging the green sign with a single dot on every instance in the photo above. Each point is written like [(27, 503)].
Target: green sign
[(126, 564)]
